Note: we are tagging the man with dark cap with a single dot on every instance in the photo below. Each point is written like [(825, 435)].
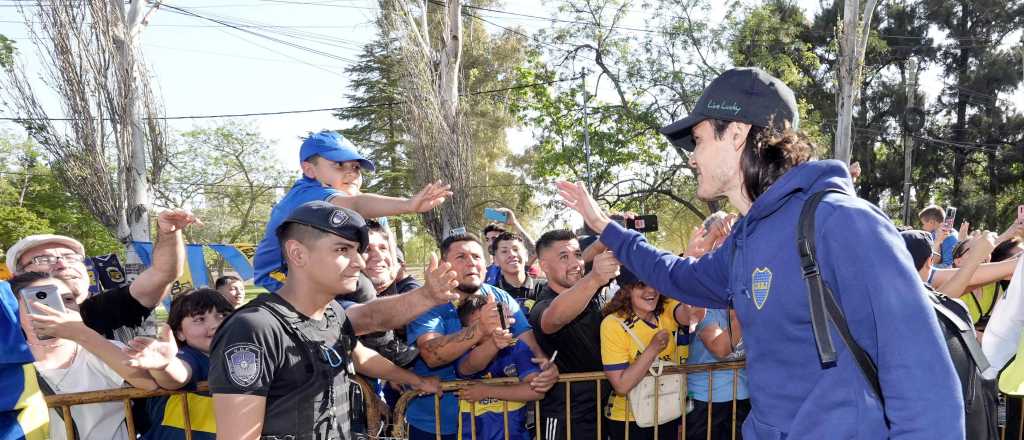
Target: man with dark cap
[(741, 143), (279, 366)]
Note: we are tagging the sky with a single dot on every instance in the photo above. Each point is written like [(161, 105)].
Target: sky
[(201, 67)]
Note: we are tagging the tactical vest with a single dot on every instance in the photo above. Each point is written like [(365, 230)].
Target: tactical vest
[(294, 416)]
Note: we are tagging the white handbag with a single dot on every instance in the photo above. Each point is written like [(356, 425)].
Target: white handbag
[(667, 392)]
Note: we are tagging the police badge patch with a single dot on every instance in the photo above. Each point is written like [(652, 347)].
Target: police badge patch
[(338, 218), (761, 286), (243, 363)]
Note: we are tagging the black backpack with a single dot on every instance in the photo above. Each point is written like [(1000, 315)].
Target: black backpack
[(980, 394)]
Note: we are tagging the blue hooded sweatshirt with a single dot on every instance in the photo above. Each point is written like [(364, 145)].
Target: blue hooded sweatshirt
[(864, 261)]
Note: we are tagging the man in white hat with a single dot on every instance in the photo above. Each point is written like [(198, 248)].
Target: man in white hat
[(121, 309)]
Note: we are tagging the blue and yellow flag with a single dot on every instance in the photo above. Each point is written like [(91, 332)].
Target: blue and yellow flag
[(239, 256), (23, 413)]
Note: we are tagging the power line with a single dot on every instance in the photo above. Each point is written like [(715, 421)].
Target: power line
[(314, 110)]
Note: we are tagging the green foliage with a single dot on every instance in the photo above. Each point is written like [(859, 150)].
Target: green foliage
[(6, 52), (17, 222), (489, 62), (33, 201), (228, 176)]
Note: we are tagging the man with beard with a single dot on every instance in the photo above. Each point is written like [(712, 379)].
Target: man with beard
[(115, 314), (567, 317), (442, 340), (510, 256)]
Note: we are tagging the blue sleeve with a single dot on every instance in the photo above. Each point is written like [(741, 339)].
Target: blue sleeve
[(521, 325), (713, 317), (947, 251), (429, 322), (865, 262), (15, 348), (345, 304), (200, 369), (523, 358), (702, 282)]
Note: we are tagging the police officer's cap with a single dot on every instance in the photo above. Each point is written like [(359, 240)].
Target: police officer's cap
[(742, 94), (331, 219)]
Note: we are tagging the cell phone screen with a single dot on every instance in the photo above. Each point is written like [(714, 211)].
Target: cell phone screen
[(501, 315)]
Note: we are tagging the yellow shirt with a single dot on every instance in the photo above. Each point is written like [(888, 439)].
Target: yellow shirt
[(976, 305), (619, 350)]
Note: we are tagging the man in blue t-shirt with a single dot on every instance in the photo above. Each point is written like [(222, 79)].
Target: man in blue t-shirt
[(332, 172), (441, 339)]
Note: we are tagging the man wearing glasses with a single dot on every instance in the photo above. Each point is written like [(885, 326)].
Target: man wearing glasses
[(116, 313)]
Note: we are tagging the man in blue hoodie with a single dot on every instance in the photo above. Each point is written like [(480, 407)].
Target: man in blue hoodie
[(743, 147)]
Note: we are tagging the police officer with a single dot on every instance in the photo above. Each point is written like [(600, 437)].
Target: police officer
[(280, 365)]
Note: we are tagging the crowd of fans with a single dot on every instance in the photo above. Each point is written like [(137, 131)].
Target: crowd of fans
[(502, 307)]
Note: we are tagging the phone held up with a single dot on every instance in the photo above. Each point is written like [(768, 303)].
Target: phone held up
[(640, 223), (950, 217), (45, 294), (495, 215)]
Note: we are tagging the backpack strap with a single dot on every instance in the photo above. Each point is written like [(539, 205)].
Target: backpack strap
[(639, 343), (965, 333), (823, 304)]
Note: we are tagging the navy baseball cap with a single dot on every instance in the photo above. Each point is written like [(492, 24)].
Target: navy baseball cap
[(742, 94), (626, 277), (919, 243), (332, 146), (331, 219)]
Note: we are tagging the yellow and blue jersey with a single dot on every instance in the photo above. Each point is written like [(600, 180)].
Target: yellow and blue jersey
[(487, 414), (168, 412), (23, 413), (619, 350)]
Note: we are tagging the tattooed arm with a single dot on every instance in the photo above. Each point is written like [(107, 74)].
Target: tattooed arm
[(437, 349)]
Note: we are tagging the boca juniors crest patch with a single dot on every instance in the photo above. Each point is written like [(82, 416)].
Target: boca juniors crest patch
[(243, 363), (761, 286)]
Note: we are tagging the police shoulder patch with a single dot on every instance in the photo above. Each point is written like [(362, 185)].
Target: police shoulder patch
[(243, 361), (761, 286)]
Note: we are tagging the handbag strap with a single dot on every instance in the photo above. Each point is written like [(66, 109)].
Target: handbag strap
[(642, 346), (823, 304)]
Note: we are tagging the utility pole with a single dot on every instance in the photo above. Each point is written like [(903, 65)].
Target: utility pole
[(586, 134), (908, 140), (136, 184), (856, 26)]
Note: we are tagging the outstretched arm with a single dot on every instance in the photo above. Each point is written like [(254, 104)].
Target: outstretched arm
[(371, 363), (168, 258), (702, 282), (569, 304), (395, 311), (375, 205)]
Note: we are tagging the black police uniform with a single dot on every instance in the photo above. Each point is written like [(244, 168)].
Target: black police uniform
[(300, 364)]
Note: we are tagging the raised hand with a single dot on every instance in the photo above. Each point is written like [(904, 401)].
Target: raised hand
[(606, 267), (502, 338), (49, 322), (659, 342), (489, 319), (429, 197), (173, 220), (440, 281), (575, 196), (964, 227), (152, 354)]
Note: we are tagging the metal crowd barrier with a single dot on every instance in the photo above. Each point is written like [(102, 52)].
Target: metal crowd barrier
[(400, 430), (377, 411), (64, 402)]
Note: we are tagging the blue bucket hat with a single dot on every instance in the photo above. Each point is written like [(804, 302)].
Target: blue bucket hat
[(332, 146)]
